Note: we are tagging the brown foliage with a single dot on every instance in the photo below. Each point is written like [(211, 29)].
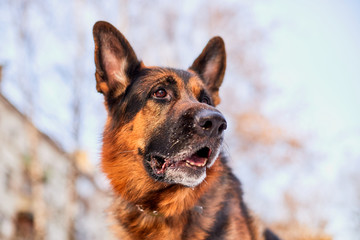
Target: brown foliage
[(296, 231)]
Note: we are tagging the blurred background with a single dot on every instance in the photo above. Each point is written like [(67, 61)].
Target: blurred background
[(290, 94)]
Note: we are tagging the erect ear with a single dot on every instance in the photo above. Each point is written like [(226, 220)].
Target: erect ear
[(211, 65), (115, 60)]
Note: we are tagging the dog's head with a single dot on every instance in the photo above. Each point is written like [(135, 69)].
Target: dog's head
[(162, 123)]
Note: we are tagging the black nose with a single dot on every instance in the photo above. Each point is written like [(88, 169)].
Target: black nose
[(210, 123)]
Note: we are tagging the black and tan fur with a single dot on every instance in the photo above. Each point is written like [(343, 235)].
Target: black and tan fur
[(162, 146)]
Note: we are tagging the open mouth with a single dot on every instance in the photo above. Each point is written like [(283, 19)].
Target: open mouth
[(196, 161)]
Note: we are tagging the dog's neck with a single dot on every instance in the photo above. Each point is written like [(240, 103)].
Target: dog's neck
[(164, 207), (197, 208)]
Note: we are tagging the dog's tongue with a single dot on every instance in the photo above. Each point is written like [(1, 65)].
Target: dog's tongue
[(199, 158), (196, 160)]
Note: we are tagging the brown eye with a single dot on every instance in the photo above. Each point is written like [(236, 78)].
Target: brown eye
[(205, 100), (161, 93)]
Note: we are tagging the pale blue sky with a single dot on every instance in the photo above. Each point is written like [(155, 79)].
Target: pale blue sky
[(313, 62), (313, 56)]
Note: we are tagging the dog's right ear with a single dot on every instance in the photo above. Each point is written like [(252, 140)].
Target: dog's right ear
[(115, 60)]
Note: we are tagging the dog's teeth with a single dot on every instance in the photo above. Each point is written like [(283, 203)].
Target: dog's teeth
[(189, 163), (203, 164)]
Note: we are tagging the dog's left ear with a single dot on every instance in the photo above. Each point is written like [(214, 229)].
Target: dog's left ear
[(211, 65)]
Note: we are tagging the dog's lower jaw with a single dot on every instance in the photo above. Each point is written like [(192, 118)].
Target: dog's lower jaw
[(190, 180), (185, 179), (188, 171)]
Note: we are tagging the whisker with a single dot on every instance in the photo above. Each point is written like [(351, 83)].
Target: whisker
[(178, 140)]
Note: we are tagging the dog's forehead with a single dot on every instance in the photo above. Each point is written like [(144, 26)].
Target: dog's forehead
[(183, 79)]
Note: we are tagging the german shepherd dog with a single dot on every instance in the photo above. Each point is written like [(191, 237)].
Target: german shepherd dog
[(162, 146)]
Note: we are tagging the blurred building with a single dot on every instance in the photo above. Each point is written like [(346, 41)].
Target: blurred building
[(45, 193)]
